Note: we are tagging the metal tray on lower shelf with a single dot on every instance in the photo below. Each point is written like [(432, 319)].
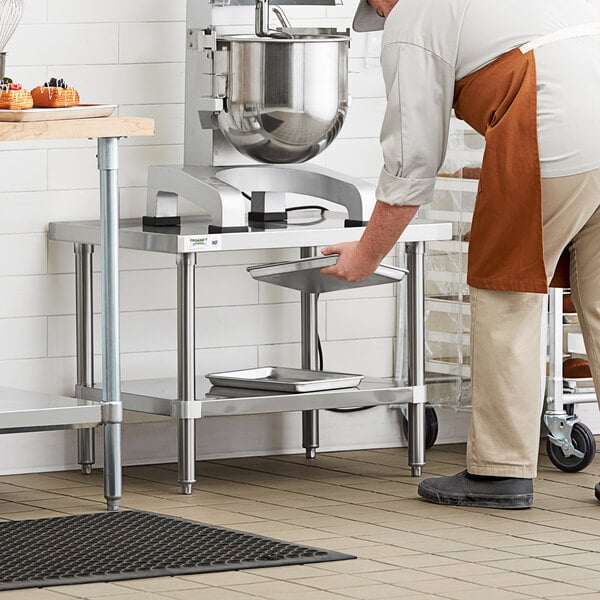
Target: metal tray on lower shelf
[(281, 379), (305, 275)]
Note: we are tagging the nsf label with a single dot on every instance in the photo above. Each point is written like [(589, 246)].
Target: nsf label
[(202, 243)]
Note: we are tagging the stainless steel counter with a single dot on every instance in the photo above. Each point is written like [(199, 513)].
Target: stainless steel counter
[(186, 397)]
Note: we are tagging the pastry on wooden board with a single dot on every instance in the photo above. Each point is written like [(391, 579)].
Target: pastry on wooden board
[(13, 96), (54, 94)]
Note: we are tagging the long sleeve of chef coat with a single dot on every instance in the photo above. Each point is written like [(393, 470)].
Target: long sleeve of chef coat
[(414, 135)]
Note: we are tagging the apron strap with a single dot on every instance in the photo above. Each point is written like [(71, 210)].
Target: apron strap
[(562, 34)]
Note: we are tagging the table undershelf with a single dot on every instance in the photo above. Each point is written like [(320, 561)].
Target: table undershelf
[(159, 396)]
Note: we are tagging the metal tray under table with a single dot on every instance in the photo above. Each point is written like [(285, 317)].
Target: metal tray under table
[(281, 379), (305, 275)]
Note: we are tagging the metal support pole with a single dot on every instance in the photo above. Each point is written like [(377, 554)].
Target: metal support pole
[(310, 359), (559, 424), (186, 368), (86, 452), (400, 359), (554, 382), (111, 372), (416, 356)]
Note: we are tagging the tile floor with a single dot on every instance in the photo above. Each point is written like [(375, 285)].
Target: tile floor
[(363, 503)]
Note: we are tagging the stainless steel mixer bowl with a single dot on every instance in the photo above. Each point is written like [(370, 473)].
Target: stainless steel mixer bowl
[(286, 98)]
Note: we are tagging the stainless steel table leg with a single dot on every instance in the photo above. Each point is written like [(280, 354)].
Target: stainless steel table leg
[(416, 356), (310, 360), (186, 368), (111, 372), (86, 452)]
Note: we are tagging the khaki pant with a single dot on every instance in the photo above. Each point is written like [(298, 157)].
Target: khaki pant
[(506, 332)]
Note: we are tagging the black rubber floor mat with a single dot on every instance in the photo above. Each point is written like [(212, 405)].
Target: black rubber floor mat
[(133, 545)]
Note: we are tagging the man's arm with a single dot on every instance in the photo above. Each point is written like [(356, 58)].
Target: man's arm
[(419, 91), (359, 259)]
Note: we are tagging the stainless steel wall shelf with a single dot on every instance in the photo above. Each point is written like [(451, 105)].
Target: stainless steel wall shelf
[(188, 397)]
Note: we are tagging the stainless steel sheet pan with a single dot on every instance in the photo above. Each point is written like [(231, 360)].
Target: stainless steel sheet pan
[(305, 275), (282, 379)]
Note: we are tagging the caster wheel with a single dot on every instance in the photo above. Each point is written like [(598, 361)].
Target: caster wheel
[(431, 426), (582, 440)]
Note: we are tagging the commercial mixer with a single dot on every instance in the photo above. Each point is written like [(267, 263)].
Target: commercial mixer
[(256, 105)]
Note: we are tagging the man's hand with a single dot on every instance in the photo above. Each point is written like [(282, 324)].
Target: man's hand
[(359, 259), (352, 265)]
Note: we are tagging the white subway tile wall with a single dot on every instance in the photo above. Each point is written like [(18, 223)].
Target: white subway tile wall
[(131, 53)]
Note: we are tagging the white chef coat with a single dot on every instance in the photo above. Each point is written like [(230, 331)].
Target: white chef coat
[(429, 44)]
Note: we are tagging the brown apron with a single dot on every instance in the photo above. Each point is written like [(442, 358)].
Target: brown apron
[(506, 246)]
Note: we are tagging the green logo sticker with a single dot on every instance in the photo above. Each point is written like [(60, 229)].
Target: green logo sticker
[(204, 242)]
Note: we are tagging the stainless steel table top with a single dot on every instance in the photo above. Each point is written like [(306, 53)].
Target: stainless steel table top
[(305, 228)]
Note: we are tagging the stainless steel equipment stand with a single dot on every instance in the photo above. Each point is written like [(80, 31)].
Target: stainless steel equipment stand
[(416, 356), (111, 370), (186, 371), (188, 398), (310, 358)]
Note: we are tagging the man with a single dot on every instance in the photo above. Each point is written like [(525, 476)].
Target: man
[(526, 74)]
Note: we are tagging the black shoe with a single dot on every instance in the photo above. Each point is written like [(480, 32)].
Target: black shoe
[(463, 489), (597, 490)]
